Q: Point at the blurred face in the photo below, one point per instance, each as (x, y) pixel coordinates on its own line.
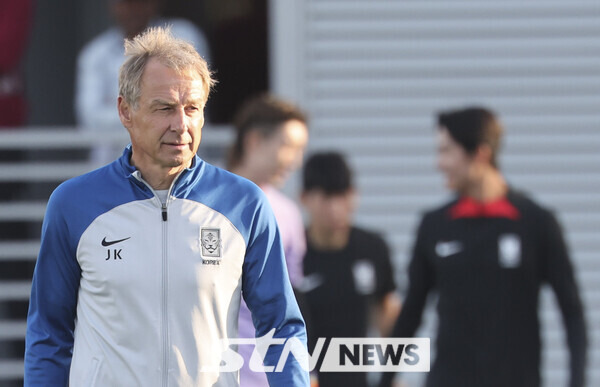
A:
(330, 213)
(166, 126)
(133, 16)
(453, 161)
(275, 157)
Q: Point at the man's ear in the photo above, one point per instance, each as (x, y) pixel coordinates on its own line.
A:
(483, 154)
(124, 112)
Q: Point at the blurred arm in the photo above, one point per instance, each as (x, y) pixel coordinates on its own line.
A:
(560, 276)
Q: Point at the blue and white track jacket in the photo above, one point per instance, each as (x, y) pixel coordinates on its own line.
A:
(130, 292)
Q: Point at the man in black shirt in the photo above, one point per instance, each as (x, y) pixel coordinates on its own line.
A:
(348, 275)
(486, 255)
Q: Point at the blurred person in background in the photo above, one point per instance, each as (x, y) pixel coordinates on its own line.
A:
(16, 18)
(348, 276)
(15, 25)
(142, 262)
(271, 135)
(99, 60)
(486, 255)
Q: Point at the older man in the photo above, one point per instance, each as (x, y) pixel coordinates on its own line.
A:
(143, 262)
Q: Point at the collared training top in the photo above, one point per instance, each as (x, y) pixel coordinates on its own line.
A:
(342, 288)
(487, 263)
(129, 291)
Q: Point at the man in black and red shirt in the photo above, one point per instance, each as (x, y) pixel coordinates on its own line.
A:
(486, 254)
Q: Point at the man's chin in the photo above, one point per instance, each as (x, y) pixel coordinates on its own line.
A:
(179, 161)
(450, 185)
(279, 179)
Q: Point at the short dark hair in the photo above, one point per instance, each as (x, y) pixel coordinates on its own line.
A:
(264, 113)
(472, 127)
(327, 171)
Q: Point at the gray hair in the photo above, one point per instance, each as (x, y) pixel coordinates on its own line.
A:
(159, 43)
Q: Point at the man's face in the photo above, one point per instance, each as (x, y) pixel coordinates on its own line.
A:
(278, 155)
(166, 126)
(330, 212)
(453, 161)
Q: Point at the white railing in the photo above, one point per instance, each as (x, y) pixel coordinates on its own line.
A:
(215, 140)
(66, 137)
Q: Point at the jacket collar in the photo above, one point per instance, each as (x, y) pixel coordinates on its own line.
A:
(467, 207)
(129, 169)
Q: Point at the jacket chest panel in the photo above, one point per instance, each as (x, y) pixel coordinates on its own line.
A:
(482, 252)
(131, 250)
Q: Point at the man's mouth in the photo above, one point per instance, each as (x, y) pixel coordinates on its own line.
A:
(176, 145)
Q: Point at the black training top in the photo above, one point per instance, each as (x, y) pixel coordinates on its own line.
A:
(486, 263)
(340, 288)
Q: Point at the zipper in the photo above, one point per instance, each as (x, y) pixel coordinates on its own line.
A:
(164, 301)
(163, 206)
(164, 210)
(165, 276)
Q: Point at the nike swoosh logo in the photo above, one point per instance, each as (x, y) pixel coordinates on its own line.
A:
(311, 282)
(446, 249)
(107, 243)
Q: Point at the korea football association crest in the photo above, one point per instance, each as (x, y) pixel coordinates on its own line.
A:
(509, 251)
(364, 276)
(210, 243)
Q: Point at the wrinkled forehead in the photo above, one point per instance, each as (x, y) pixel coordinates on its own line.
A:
(158, 73)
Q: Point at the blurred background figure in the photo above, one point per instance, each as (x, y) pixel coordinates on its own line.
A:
(271, 135)
(486, 254)
(348, 277)
(240, 53)
(15, 26)
(99, 61)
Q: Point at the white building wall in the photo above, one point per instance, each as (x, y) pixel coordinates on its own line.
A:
(372, 75)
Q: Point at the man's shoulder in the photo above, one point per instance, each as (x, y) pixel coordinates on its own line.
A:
(105, 182)
(524, 199)
(238, 199)
(86, 195)
(220, 178)
(78, 184)
(223, 190)
(529, 207)
(364, 233)
(367, 237)
(439, 211)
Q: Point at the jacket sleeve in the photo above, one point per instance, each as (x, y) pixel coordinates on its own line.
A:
(421, 280)
(268, 293)
(559, 274)
(52, 306)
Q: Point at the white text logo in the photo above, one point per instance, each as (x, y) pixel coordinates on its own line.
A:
(356, 354)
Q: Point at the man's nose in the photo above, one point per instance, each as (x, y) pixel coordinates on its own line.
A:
(179, 121)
